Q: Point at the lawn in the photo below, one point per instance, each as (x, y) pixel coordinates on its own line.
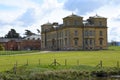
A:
(15, 52)
(89, 58)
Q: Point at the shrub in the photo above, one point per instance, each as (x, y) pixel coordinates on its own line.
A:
(1, 47)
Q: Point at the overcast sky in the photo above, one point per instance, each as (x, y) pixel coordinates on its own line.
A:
(30, 14)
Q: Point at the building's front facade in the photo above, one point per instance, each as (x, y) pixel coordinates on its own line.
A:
(75, 34)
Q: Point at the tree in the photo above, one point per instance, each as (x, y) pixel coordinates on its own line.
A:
(1, 47)
(12, 34)
(29, 33)
(38, 31)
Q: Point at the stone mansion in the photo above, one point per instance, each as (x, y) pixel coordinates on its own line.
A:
(75, 34)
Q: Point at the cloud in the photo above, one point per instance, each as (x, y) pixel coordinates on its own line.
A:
(27, 18)
(31, 14)
(83, 6)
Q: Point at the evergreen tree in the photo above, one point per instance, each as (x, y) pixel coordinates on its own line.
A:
(29, 33)
(12, 34)
(38, 31)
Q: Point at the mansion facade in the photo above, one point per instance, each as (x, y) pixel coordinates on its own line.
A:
(75, 34)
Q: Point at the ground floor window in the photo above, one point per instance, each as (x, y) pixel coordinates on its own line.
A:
(76, 42)
(101, 41)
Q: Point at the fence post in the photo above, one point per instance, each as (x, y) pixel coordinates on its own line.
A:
(55, 63)
(117, 64)
(65, 62)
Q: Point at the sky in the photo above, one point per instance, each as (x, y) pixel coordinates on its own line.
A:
(31, 14)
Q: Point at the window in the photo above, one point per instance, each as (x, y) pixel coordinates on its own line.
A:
(66, 41)
(62, 34)
(93, 33)
(76, 22)
(33, 38)
(67, 23)
(90, 33)
(91, 42)
(76, 33)
(86, 33)
(101, 33)
(86, 41)
(100, 23)
(66, 32)
(76, 42)
(101, 41)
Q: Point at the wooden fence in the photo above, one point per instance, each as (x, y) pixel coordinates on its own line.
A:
(54, 63)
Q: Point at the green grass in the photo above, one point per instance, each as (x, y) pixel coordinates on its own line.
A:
(89, 58)
(15, 52)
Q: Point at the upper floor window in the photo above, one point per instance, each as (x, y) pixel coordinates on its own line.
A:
(100, 23)
(76, 33)
(101, 33)
(86, 33)
(76, 22)
(67, 23)
(90, 33)
(66, 32)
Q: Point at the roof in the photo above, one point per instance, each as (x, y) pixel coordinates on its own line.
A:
(8, 39)
(48, 23)
(72, 16)
(97, 16)
(33, 37)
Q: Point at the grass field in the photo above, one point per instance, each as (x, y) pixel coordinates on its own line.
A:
(89, 58)
(15, 52)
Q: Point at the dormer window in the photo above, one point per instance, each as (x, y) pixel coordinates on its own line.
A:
(33, 38)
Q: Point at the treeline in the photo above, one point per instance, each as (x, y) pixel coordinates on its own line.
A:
(13, 34)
